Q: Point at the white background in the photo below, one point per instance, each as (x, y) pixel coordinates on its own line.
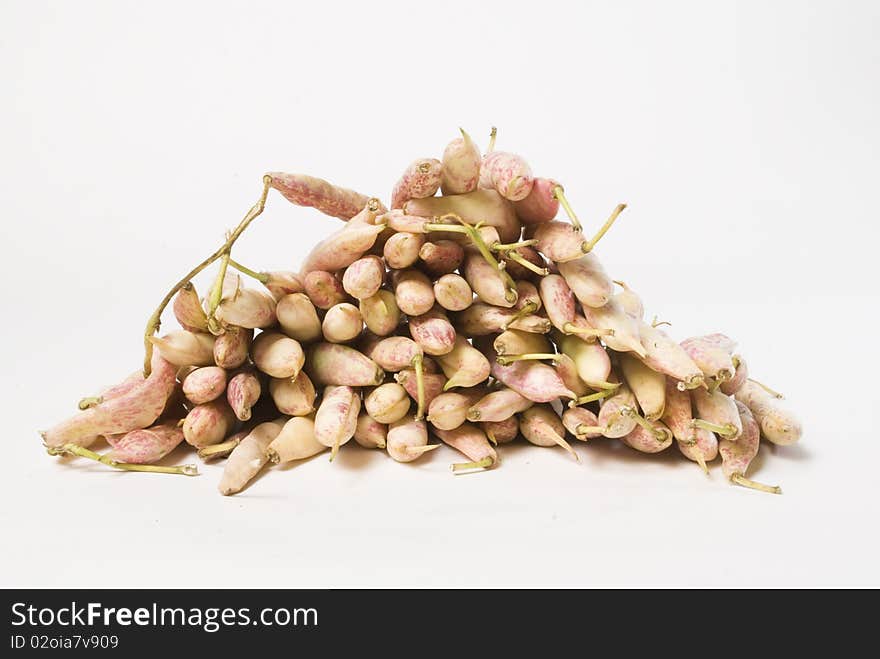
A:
(743, 136)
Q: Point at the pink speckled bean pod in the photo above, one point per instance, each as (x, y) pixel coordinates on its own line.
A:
(449, 410)
(183, 348)
(485, 280)
(421, 179)
(342, 248)
(740, 376)
(567, 371)
(380, 313)
(433, 332)
(369, 433)
(737, 456)
(613, 413)
(296, 441)
(718, 409)
(630, 301)
(387, 403)
(401, 250)
(298, 318)
(394, 353)
(588, 280)
(324, 289)
(342, 323)
(703, 448)
(507, 173)
(407, 439)
(434, 384)
(337, 364)
(646, 441)
(778, 425)
(138, 407)
(336, 417)
(719, 340)
(188, 309)
(231, 348)
(590, 359)
(464, 365)
(713, 361)
(558, 241)
(533, 380)
(626, 328)
(666, 356)
(453, 293)
(278, 355)
(461, 166)
(582, 423)
(242, 393)
(542, 427)
(364, 277)
(413, 292)
(498, 405)
(281, 282)
(208, 423)
(485, 206)
(249, 307)
(204, 384)
(471, 441)
(481, 319)
(678, 413)
(518, 342)
(558, 301)
(397, 220)
(501, 432)
(293, 396)
(317, 193)
(249, 457)
(540, 205)
(647, 385)
(148, 445)
(441, 257)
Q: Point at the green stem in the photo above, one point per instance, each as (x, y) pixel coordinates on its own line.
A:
(73, 449)
(770, 391)
(739, 479)
(510, 293)
(589, 398)
(528, 308)
(516, 257)
(89, 401)
(726, 431)
(492, 135)
(485, 463)
(506, 247)
(217, 294)
(559, 194)
(261, 277)
(590, 244)
(155, 319)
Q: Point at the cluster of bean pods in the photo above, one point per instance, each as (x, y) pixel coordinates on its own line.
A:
(471, 317)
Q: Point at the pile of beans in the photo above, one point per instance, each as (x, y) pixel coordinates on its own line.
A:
(472, 317)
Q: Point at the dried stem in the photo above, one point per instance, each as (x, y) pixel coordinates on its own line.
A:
(155, 319)
(485, 463)
(739, 479)
(74, 449)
